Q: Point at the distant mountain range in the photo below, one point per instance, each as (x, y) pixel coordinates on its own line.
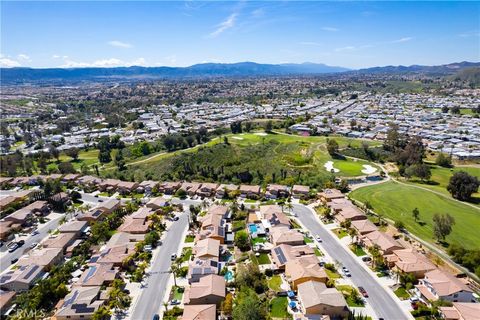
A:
(242, 69)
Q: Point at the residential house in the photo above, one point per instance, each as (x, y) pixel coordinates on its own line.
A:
(317, 299)
(76, 227)
(386, 244)
(126, 187)
(114, 254)
(438, 285)
(275, 191)
(250, 192)
(460, 311)
(299, 191)
(44, 257)
(224, 189)
(283, 253)
(169, 187)
(207, 189)
(81, 303)
(364, 226)
(409, 261)
(135, 225)
(147, 186)
(60, 241)
(157, 203)
(199, 312)
(190, 188)
(273, 216)
(207, 248)
(351, 213)
(109, 185)
(98, 275)
(284, 235)
(208, 290)
(330, 194)
(109, 206)
(304, 268)
(22, 278)
(199, 268)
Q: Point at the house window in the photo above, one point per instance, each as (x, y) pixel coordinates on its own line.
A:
(455, 295)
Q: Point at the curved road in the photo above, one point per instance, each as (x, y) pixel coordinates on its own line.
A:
(382, 302)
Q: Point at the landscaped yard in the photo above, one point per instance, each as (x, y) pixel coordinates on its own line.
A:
(340, 232)
(347, 291)
(189, 238)
(186, 254)
(239, 225)
(332, 275)
(396, 202)
(307, 239)
(263, 259)
(318, 253)
(177, 293)
(402, 293)
(278, 307)
(358, 250)
(274, 283)
(258, 240)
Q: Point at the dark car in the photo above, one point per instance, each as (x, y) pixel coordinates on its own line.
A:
(21, 243)
(13, 260)
(156, 317)
(363, 291)
(175, 218)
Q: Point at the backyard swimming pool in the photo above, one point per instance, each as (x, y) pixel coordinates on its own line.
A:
(229, 275)
(253, 228)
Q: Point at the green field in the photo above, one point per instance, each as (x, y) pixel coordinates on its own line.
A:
(256, 158)
(396, 202)
(441, 177)
(278, 307)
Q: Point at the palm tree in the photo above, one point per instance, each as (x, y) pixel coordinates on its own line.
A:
(353, 233)
(289, 206)
(175, 270)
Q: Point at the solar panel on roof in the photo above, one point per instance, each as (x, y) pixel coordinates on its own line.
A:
(82, 308)
(29, 273)
(97, 213)
(71, 299)
(280, 255)
(91, 272)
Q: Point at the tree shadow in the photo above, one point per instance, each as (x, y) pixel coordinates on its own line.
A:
(421, 223)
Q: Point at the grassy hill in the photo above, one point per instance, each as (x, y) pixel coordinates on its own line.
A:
(396, 202)
(253, 158)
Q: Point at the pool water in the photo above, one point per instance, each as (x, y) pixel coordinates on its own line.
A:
(253, 228)
(229, 275)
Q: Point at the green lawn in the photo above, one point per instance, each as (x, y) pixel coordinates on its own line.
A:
(275, 282)
(186, 254)
(278, 307)
(318, 253)
(189, 238)
(239, 225)
(307, 239)
(441, 177)
(177, 293)
(340, 232)
(258, 240)
(347, 290)
(358, 250)
(402, 293)
(263, 259)
(332, 275)
(396, 202)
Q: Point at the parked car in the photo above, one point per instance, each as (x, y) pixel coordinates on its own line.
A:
(156, 317)
(174, 302)
(175, 218)
(33, 245)
(366, 259)
(14, 260)
(13, 247)
(147, 248)
(319, 239)
(21, 243)
(173, 256)
(363, 292)
(34, 233)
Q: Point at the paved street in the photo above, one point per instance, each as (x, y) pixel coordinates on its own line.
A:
(150, 300)
(382, 302)
(7, 257)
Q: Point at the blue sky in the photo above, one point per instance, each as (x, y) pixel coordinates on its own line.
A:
(182, 33)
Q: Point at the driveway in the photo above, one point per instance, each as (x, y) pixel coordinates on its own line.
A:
(380, 299)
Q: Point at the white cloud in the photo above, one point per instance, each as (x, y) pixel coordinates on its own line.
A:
(103, 63)
(8, 63)
(23, 57)
(330, 29)
(404, 39)
(225, 25)
(119, 44)
(347, 48)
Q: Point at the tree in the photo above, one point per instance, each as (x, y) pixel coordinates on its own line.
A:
(54, 152)
(248, 306)
(332, 147)
(269, 126)
(66, 167)
(443, 160)
(104, 156)
(119, 161)
(462, 185)
(399, 225)
(241, 240)
(175, 269)
(416, 214)
(394, 139)
(101, 313)
(442, 226)
(455, 110)
(227, 304)
(421, 171)
(73, 153)
(352, 232)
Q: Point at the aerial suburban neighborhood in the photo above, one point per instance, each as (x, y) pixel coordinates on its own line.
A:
(240, 160)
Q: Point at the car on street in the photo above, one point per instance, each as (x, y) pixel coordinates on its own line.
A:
(174, 302)
(34, 233)
(319, 239)
(173, 256)
(175, 218)
(13, 247)
(366, 259)
(363, 292)
(13, 260)
(21, 243)
(156, 317)
(147, 248)
(33, 245)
